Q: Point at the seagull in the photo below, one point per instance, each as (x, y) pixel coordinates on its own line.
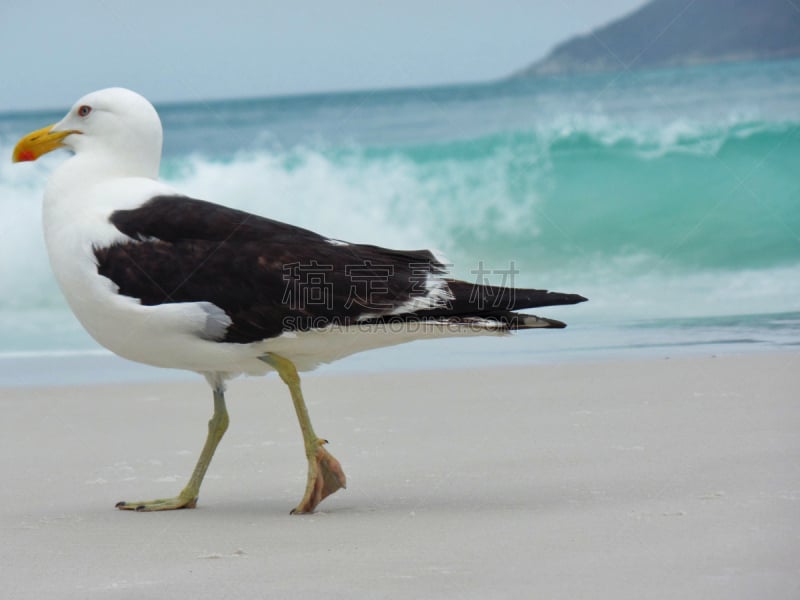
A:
(172, 281)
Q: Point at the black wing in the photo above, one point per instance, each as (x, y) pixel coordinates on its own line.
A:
(270, 277)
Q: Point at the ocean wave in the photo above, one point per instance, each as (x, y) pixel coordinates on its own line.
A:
(507, 197)
(681, 136)
(25, 277)
(584, 202)
(575, 134)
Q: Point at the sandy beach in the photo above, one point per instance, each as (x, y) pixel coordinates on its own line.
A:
(670, 478)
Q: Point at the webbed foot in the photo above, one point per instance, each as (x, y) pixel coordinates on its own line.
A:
(325, 476)
(160, 504)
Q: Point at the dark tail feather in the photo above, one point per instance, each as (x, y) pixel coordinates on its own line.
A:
(521, 321)
(469, 297)
(479, 303)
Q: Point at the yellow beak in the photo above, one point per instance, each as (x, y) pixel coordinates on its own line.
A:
(39, 142)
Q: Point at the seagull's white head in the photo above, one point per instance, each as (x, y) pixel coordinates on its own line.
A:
(114, 126)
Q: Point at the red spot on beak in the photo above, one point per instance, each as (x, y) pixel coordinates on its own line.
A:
(26, 155)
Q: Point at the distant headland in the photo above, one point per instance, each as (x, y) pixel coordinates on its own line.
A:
(672, 33)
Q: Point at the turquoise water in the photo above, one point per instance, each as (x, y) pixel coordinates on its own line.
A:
(670, 198)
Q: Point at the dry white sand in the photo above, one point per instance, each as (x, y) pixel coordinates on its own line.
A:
(673, 479)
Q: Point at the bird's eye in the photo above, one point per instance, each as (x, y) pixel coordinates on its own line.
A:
(84, 110)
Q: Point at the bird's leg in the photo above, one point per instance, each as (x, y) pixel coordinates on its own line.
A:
(188, 496)
(325, 474)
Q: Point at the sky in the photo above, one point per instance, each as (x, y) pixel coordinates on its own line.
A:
(55, 51)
